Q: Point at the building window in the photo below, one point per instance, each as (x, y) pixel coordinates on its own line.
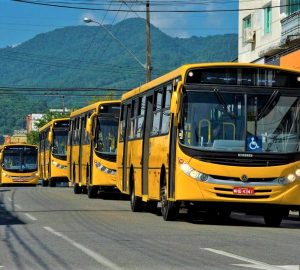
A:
(293, 6)
(267, 19)
(247, 22)
(247, 28)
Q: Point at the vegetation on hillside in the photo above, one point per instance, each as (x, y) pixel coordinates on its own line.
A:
(86, 56)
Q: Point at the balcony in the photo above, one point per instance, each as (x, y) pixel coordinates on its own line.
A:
(290, 29)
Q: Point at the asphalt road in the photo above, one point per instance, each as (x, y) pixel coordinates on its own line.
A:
(52, 228)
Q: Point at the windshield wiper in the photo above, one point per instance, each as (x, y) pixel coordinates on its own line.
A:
(223, 103)
(267, 105)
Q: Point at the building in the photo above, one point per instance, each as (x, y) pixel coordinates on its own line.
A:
(31, 120)
(19, 136)
(269, 32)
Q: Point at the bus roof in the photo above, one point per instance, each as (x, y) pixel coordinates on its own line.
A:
(51, 123)
(93, 106)
(181, 71)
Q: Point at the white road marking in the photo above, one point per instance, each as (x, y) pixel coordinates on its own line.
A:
(286, 267)
(253, 263)
(9, 199)
(30, 216)
(96, 256)
(18, 206)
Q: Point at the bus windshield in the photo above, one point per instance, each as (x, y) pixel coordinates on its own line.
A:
(20, 159)
(60, 140)
(239, 122)
(106, 137)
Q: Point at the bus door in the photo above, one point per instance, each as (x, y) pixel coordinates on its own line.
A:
(126, 114)
(146, 144)
(81, 142)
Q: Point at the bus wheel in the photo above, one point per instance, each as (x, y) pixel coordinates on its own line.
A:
(92, 191)
(169, 210)
(136, 203)
(77, 189)
(45, 183)
(273, 218)
(52, 182)
(84, 189)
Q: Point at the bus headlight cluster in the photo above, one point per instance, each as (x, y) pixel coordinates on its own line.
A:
(189, 171)
(58, 165)
(292, 177)
(104, 169)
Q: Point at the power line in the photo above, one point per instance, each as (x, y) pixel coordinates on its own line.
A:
(65, 5)
(63, 89)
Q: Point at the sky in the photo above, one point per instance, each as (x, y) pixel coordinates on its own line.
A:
(21, 21)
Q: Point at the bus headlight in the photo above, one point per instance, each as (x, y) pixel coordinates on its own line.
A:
(189, 171)
(297, 172)
(4, 174)
(291, 178)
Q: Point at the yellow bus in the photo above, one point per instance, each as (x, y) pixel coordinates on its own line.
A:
(215, 137)
(53, 152)
(92, 147)
(19, 165)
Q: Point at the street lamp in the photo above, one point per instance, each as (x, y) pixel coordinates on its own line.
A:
(88, 20)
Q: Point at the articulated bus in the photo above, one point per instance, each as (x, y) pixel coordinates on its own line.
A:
(92, 148)
(19, 165)
(53, 152)
(215, 138)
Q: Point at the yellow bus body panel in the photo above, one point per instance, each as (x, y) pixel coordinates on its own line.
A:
(31, 178)
(104, 172)
(189, 189)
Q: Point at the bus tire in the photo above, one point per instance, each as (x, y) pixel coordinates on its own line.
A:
(52, 182)
(136, 203)
(45, 183)
(84, 189)
(273, 218)
(92, 191)
(77, 189)
(169, 210)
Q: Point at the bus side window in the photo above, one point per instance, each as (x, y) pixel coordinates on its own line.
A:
(166, 109)
(122, 123)
(141, 117)
(157, 105)
(46, 140)
(132, 119)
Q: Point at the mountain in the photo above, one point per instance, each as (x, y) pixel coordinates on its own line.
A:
(87, 56)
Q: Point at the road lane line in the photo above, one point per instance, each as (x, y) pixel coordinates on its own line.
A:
(96, 256)
(30, 216)
(18, 206)
(9, 199)
(257, 264)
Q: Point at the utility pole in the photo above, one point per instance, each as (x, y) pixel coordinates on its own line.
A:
(148, 45)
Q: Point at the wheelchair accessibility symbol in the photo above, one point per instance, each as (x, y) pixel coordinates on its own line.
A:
(254, 143)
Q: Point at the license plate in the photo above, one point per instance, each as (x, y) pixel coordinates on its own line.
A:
(243, 191)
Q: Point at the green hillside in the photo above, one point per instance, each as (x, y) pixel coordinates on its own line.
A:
(86, 56)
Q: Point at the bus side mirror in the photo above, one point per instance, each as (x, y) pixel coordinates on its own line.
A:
(175, 102)
(50, 137)
(89, 125)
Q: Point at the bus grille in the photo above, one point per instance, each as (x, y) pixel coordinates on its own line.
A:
(237, 196)
(226, 178)
(253, 197)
